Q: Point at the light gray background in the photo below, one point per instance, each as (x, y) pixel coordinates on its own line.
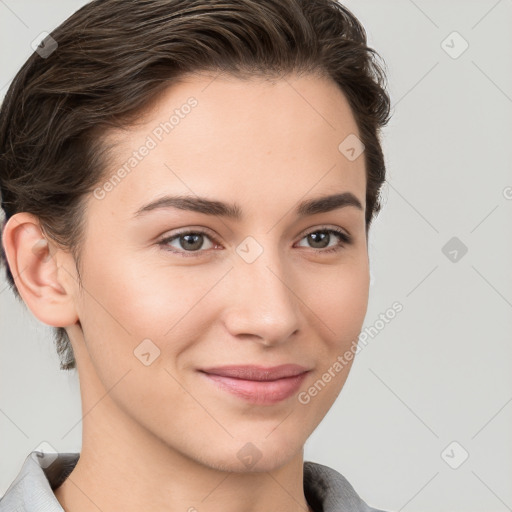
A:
(440, 370)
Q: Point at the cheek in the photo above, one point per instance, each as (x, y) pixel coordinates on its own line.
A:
(339, 311)
(129, 301)
(341, 302)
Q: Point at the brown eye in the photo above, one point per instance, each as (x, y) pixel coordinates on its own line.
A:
(321, 238)
(187, 242)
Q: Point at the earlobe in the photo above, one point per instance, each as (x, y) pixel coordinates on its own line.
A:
(36, 271)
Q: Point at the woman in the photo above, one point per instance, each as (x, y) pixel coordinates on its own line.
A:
(188, 188)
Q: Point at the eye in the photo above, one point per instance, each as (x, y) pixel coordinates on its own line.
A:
(323, 236)
(189, 242)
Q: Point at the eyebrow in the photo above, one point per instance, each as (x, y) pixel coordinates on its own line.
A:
(234, 211)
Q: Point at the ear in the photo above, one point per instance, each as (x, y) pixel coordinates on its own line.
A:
(45, 277)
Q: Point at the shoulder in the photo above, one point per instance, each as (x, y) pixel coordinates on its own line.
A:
(32, 489)
(328, 490)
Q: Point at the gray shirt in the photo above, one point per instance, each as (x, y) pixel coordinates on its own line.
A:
(325, 489)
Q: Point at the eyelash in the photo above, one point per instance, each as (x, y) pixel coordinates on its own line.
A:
(342, 237)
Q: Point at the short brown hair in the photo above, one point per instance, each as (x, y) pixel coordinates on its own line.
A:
(113, 59)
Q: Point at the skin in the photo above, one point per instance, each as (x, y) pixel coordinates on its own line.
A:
(160, 437)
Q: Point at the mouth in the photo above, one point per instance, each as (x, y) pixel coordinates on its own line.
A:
(257, 384)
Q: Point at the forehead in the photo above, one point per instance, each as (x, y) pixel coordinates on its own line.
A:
(217, 136)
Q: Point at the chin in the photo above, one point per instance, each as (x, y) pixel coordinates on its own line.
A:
(241, 455)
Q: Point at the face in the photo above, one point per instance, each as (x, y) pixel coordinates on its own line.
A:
(175, 291)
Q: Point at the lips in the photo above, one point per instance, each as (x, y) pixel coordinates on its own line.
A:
(257, 373)
(258, 384)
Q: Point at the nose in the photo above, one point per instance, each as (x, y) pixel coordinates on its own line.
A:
(262, 303)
